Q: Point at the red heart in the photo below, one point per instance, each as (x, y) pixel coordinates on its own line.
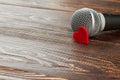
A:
(81, 36)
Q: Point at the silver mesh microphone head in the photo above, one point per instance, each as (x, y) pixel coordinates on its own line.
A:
(93, 21)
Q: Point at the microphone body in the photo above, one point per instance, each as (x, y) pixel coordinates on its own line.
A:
(112, 22)
(94, 22)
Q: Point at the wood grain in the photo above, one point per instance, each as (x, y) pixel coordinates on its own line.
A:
(112, 6)
(36, 43)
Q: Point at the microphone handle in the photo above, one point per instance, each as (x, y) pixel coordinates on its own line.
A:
(112, 22)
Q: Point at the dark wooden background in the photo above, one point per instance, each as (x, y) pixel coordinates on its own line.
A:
(36, 42)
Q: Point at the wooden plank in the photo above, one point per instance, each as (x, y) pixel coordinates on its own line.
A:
(68, 5)
(15, 74)
(37, 42)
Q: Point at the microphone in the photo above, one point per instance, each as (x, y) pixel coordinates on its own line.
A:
(94, 22)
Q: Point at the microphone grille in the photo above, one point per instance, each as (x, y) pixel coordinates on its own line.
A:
(88, 18)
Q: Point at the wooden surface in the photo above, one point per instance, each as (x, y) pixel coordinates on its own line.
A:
(36, 42)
